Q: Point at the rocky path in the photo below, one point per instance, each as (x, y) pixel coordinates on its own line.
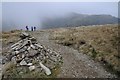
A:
(75, 64)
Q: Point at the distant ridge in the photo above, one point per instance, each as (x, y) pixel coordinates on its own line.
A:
(75, 19)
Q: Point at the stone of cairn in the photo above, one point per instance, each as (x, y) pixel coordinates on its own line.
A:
(27, 52)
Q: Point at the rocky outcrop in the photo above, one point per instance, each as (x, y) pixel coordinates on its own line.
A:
(27, 52)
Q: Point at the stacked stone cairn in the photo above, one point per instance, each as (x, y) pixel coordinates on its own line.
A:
(27, 52)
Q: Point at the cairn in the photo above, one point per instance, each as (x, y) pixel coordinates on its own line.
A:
(27, 52)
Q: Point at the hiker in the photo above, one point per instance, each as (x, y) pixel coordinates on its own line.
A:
(27, 28)
(34, 28)
(31, 28)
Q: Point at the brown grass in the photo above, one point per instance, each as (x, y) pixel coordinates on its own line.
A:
(9, 37)
(99, 42)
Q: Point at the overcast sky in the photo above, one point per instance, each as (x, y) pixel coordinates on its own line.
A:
(19, 14)
(59, 0)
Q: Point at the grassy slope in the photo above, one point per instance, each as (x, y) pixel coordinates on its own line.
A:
(99, 42)
(10, 37)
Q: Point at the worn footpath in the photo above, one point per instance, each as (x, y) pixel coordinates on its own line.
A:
(75, 64)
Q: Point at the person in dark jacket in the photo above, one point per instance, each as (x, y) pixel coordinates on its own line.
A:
(27, 28)
(34, 28)
(31, 28)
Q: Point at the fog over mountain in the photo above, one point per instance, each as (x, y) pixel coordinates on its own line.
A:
(16, 15)
(75, 19)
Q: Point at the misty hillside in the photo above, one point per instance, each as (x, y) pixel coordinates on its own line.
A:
(75, 19)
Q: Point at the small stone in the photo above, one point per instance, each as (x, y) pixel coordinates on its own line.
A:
(32, 46)
(23, 63)
(33, 40)
(21, 73)
(16, 52)
(32, 53)
(28, 60)
(46, 69)
(14, 60)
(28, 48)
(24, 35)
(39, 46)
(29, 64)
(47, 57)
(31, 68)
(23, 55)
(18, 58)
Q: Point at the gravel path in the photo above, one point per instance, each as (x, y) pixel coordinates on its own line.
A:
(75, 64)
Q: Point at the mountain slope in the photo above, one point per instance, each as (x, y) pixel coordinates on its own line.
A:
(75, 19)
